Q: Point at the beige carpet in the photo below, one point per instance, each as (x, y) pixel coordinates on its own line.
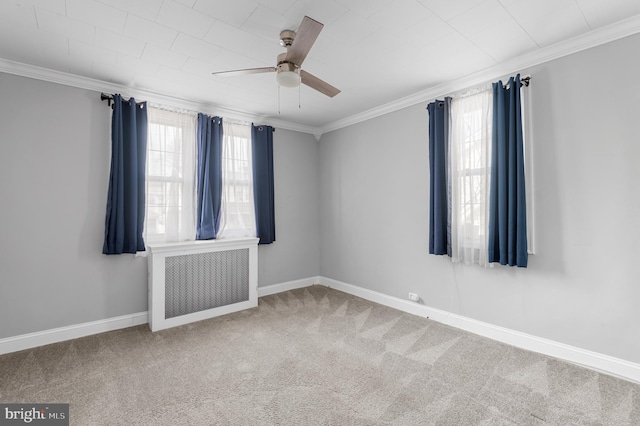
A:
(313, 356)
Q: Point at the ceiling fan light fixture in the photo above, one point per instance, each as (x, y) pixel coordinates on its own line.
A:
(288, 75)
(288, 79)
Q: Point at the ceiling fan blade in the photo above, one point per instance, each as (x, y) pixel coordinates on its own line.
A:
(320, 85)
(305, 37)
(244, 72)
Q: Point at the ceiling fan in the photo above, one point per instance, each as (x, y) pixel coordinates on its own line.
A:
(289, 73)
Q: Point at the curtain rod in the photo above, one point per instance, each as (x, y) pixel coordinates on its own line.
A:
(105, 97)
(109, 99)
(525, 81)
(262, 126)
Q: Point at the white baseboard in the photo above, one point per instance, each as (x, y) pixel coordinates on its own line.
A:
(286, 286)
(55, 335)
(593, 360)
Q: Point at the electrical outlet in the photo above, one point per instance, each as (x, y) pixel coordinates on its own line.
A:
(414, 297)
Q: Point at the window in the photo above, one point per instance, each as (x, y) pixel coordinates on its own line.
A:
(238, 212)
(484, 220)
(170, 181)
(170, 177)
(470, 175)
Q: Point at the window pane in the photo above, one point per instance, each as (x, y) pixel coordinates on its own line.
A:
(155, 220)
(155, 193)
(173, 194)
(155, 159)
(172, 138)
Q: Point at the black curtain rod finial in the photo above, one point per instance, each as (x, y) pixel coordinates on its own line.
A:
(105, 97)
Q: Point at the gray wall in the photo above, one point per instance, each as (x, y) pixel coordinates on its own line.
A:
(296, 252)
(54, 170)
(583, 285)
(366, 188)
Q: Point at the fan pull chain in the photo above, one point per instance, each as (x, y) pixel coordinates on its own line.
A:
(299, 107)
(278, 99)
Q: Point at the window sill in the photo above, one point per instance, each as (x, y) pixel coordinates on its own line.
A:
(200, 244)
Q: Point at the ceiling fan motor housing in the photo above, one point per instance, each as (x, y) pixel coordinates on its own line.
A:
(282, 60)
(288, 67)
(286, 38)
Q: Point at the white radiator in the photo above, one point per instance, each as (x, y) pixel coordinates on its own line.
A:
(196, 280)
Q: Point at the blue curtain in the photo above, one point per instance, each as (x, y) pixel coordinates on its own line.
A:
(209, 179)
(507, 208)
(263, 188)
(125, 201)
(439, 198)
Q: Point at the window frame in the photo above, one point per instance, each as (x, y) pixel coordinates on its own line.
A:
(185, 179)
(234, 133)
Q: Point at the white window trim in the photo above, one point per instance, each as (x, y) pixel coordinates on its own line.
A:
(529, 180)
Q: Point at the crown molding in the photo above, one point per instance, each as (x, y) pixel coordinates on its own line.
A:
(59, 77)
(576, 44)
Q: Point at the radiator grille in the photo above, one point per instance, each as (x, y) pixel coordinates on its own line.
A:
(197, 282)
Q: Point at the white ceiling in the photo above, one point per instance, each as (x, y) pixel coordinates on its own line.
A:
(375, 51)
